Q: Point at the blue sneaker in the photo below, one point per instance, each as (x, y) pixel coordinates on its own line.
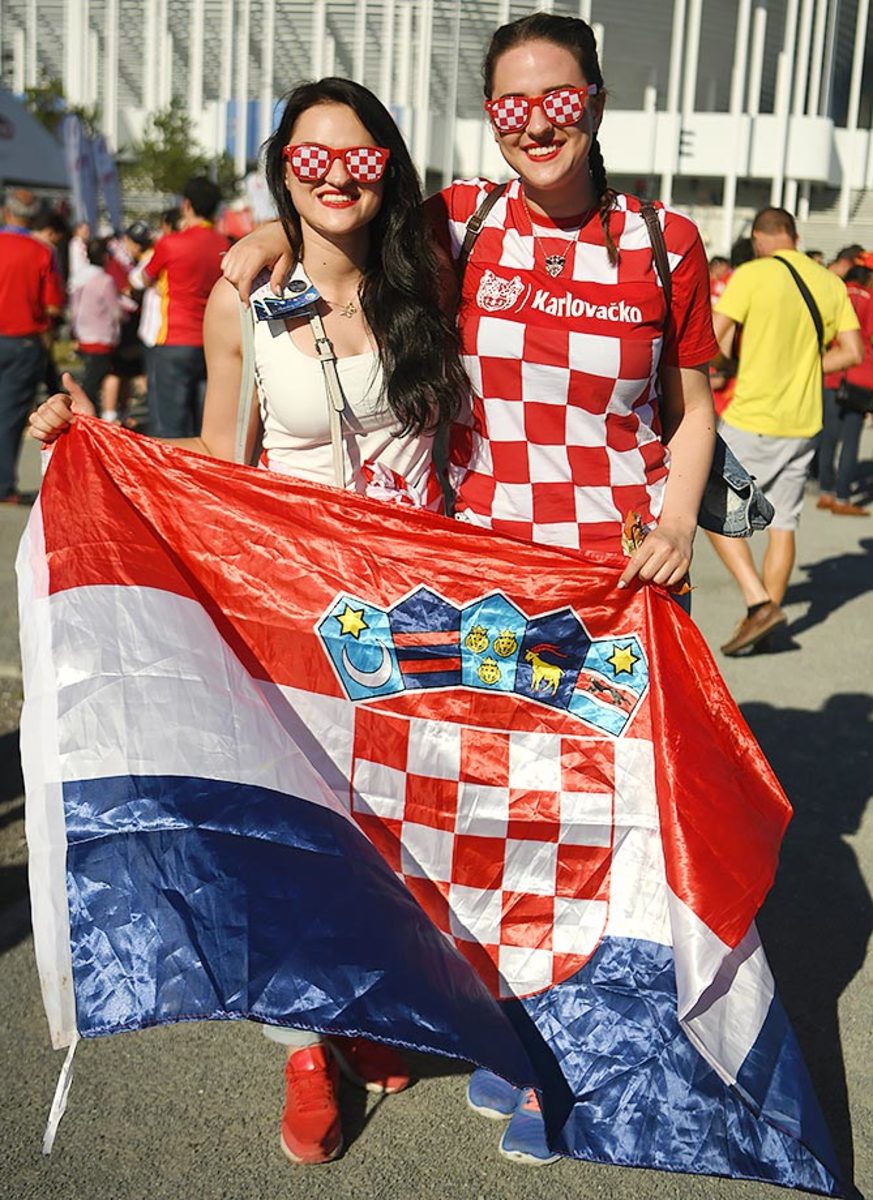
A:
(491, 1096)
(524, 1139)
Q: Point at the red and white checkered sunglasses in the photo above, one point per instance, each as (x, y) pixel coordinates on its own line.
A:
(311, 161)
(564, 106)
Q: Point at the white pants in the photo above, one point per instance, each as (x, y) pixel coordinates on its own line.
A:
(296, 1038)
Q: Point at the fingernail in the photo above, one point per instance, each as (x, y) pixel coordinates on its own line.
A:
(622, 584)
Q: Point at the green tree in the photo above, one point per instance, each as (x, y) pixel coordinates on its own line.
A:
(49, 105)
(168, 154)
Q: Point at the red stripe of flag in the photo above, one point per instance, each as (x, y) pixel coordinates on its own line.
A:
(421, 666)
(436, 637)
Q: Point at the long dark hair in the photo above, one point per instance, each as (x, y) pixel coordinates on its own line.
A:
(576, 36)
(424, 380)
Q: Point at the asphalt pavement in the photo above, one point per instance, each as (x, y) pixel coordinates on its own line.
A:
(191, 1112)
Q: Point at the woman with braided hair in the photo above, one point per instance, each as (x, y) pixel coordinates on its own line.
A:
(564, 327)
(580, 375)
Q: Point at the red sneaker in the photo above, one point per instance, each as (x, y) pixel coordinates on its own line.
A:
(311, 1131)
(371, 1065)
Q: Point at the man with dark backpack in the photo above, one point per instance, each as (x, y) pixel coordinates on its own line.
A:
(790, 309)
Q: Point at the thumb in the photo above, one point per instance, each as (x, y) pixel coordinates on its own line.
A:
(280, 273)
(79, 398)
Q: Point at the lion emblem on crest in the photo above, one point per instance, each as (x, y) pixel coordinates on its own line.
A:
(496, 294)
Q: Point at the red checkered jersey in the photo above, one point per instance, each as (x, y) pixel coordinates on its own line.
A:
(29, 284)
(186, 266)
(564, 439)
(862, 375)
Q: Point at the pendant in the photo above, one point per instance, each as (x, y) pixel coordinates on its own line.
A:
(349, 309)
(555, 264)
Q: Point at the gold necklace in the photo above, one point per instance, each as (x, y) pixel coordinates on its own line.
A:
(349, 309)
(555, 263)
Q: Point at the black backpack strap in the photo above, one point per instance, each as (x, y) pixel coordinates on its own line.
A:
(659, 251)
(475, 225)
(808, 300)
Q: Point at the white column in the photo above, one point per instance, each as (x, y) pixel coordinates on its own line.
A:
(801, 81)
(829, 57)
(110, 73)
(196, 34)
(404, 71)
(225, 74)
(319, 35)
(243, 33)
(359, 58)
(19, 52)
(75, 43)
(32, 30)
(756, 68)
(784, 74)
(452, 99)
(503, 12)
(93, 64)
(692, 58)
(816, 65)
(585, 10)
(330, 55)
(600, 38)
(268, 37)
(165, 55)
(677, 42)
(854, 103)
(386, 66)
(421, 135)
(738, 79)
(150, 57)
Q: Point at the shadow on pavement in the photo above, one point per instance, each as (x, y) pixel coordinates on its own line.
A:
(817, 920)
(11, 781)
(14, 903)
(831, 583)
(14, 906)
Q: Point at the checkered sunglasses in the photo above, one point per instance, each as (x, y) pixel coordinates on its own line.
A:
(311, 161)
(565, 106)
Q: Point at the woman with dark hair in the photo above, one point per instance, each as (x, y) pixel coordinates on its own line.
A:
(350, 206)
(582, 375)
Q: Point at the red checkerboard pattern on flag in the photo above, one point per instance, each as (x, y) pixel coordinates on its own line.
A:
(505, 839)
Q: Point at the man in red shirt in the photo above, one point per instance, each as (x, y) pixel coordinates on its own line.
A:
(184, 268)
(31, 295)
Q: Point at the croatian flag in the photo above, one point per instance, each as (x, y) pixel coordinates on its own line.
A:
(309, 759)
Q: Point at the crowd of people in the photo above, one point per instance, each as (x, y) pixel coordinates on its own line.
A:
(132, 303)
(578, 430)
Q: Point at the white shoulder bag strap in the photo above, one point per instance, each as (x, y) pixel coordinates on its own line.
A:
(246, 384)
(336, 401)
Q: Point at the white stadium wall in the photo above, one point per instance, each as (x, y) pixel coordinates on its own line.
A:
(715, 105)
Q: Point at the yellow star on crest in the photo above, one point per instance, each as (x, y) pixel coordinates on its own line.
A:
(351, 621)
(623, 659)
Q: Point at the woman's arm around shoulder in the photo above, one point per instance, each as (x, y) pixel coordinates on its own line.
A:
(267, 247)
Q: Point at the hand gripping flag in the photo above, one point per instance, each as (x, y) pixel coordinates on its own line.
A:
(304, 758)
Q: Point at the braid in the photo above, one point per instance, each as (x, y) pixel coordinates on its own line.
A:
(605, 196)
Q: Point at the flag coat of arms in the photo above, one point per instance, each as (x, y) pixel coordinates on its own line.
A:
(315, 760)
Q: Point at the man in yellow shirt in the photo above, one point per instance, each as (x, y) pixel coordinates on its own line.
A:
(775, 417)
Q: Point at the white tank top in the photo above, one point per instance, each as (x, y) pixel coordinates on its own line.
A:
(293, 400)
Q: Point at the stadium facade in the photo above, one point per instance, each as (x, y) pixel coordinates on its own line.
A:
(719, 106)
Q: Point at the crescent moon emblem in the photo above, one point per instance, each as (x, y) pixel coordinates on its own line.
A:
(370, 679)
